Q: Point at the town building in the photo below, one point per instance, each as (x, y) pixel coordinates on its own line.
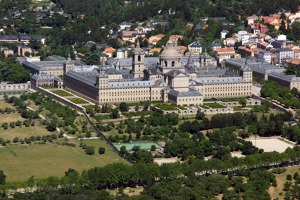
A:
(6, 51)
(195, 47)
(25, 39)
(283, 54)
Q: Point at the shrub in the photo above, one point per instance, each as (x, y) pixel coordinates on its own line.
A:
(153, 148)
(5, 125)
(18, 123)
(15, 140)
(288, 177)
(101, 150)
(278, 170)
(296, 175)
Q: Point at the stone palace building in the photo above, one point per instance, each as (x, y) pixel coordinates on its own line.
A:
(169, 80)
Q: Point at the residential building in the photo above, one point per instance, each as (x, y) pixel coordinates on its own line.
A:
(155, 38)
(223, 34)
(6, 51)
(125, 26)
(225, 53)
(25, 39)
(23, 50)
(283, 54)
(109, 51)
(195, 47)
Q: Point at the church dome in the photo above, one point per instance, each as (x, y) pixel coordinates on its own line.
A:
(169, 52)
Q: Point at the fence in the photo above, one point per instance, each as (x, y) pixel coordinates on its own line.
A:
(107, 140)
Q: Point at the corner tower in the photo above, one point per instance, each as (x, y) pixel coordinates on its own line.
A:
(246, 72)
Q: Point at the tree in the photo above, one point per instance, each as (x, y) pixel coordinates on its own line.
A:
(144, 156)
(2, 178)
(90, 150)
(115, 113)
(123, 150)
(101, 150)
(243, 102)
(124, 107)
(51, 126)
(200, 115)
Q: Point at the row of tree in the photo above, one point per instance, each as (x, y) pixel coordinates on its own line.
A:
(193, 179)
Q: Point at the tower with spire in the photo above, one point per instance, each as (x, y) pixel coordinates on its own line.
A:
(69, 65)
(138, 65)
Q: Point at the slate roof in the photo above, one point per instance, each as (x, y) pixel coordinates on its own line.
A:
(190, 93)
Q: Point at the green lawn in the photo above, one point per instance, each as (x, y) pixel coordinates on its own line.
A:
(23, 161)
(232, 99)
(214, 105)
(166, 107)
(24, 132)
(48, 87)
(61, 93)
(239, 108)
(78, 101)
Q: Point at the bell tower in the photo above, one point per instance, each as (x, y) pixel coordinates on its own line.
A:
(69, 65)
(138, 58)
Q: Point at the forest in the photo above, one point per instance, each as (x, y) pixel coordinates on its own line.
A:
(11, 71)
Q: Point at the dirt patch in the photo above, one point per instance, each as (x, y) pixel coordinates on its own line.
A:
(160, 161)
(133, 191)
(270, 144)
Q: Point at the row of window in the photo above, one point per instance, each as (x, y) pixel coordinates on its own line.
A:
(190, 99)
(228, 94)
(129, 99)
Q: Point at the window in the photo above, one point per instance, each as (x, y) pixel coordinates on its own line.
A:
(139, 58)
(173, 63)
(166, 64)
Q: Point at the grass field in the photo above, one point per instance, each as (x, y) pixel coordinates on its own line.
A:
(21, 162)
(24, 132)
(12, 117)
(214, 105)
(61, 93)
(166, 107)
(3, 105)
(77, 100)
(48, 87)
(281, 178)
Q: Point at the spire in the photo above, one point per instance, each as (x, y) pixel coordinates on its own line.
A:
(200, 60)
(189, 62)
(138, 46)
(69, 58)
(205, 60)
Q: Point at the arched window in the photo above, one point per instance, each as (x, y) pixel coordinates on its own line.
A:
(139, 58)
(166, 63)
(173, 63)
